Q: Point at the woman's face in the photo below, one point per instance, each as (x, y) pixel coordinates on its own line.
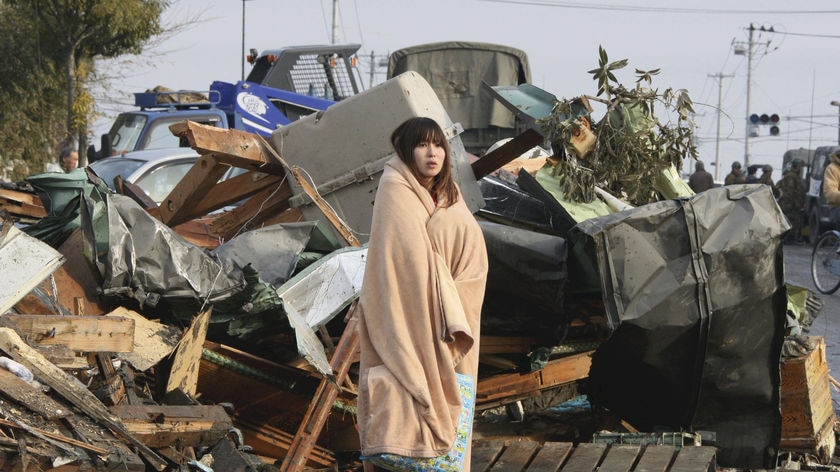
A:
(428, 157)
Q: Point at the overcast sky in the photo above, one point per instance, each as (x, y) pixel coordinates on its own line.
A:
(795, 72)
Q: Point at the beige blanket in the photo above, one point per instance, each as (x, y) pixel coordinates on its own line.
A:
(419, 318)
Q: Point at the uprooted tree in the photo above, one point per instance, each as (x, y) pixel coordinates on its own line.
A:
(626, 151)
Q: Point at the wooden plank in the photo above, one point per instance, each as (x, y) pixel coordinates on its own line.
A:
(695, 459)
(585, 457)
(507, 344)
(184, 373)
(185, 425)
(550, 457)
(485, 453)
(79, 333)
(230, 146)
(77, 277)
(620, 458)
(506, 153)
(656, 458)
(18, 391)
(556, 372)
(516, 456)
(152, 341)
(274, 442)
(178, 206)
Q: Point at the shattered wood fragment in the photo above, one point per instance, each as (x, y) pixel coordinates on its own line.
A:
(184, 373)
(79, 333)
(505, 153)
(68, 387)
(152, 341)
(230, 146)
(77, 277)
(178, 206)
(111, 391)
(19, 391)
(22, 204)
(273, 442)
(183, 425)
(56, 437)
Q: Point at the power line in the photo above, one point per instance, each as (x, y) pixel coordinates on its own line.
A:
(605, 6)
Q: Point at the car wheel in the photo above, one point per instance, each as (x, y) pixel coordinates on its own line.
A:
(814, 229)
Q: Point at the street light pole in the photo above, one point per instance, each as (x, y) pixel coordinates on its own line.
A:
(243, 41)
(749, 96)
(836, 103)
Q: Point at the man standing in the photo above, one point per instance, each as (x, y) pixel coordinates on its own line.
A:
(751, 177)
(767, 179)
(68, 159)
(700, 180)
(792, 200)
(734, 176)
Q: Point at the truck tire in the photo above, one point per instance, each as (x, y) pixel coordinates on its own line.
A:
(814, 227)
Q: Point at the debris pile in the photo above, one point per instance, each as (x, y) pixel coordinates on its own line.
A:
(217, 329)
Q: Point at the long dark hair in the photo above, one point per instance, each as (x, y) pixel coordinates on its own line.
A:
(414, 132)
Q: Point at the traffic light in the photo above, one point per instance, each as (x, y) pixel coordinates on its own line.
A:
(765, 119)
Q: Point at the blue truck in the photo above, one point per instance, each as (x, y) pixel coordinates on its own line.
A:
(283, 85)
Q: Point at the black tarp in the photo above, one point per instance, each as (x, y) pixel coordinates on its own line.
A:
(694, 291)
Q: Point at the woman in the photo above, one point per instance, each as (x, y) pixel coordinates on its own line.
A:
(419, 308)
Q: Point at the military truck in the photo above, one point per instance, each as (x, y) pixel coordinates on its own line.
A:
(816, 209)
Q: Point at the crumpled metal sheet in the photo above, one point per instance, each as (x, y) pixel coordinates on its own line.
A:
(315, 295)
(695, 294)
(273, 251)
(148, 257)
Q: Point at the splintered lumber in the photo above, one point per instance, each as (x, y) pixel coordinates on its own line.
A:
(79, 333)
(184, 373)
(230, 191)
(184, 425)
(71, 390)
(510, 387)
(177, 207)
(229, 146)
(505, 153)
(17, 390)
(22, 204)
(152, 341)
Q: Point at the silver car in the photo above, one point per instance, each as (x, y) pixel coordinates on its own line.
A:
(156, 171)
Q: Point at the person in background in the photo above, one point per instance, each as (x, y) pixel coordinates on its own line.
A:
(767, 179)
(700, 180)
(831, 185)
(751, 177)
(419, 311)
(735, 176)
(792, 200)
(68, 159)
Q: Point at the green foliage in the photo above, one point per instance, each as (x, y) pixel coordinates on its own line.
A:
(50, 53)
(632, 146)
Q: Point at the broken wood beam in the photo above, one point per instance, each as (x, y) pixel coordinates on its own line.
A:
(230, 146)
(178, 206)
(185, 425)
(79, 333)
(507, 152)
(230, 191)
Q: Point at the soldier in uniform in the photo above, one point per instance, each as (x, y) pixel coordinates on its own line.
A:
(767, 179)
(735, 176)
(792, 200)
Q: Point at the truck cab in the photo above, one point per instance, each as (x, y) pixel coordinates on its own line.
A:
(819, 215)
(148, 126)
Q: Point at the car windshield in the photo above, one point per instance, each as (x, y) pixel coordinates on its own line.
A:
(125, 132)
(107, 169)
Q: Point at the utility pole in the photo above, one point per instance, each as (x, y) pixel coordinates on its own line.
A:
(720, 77)
(335, 26)
(749, 96)
(836, 103)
